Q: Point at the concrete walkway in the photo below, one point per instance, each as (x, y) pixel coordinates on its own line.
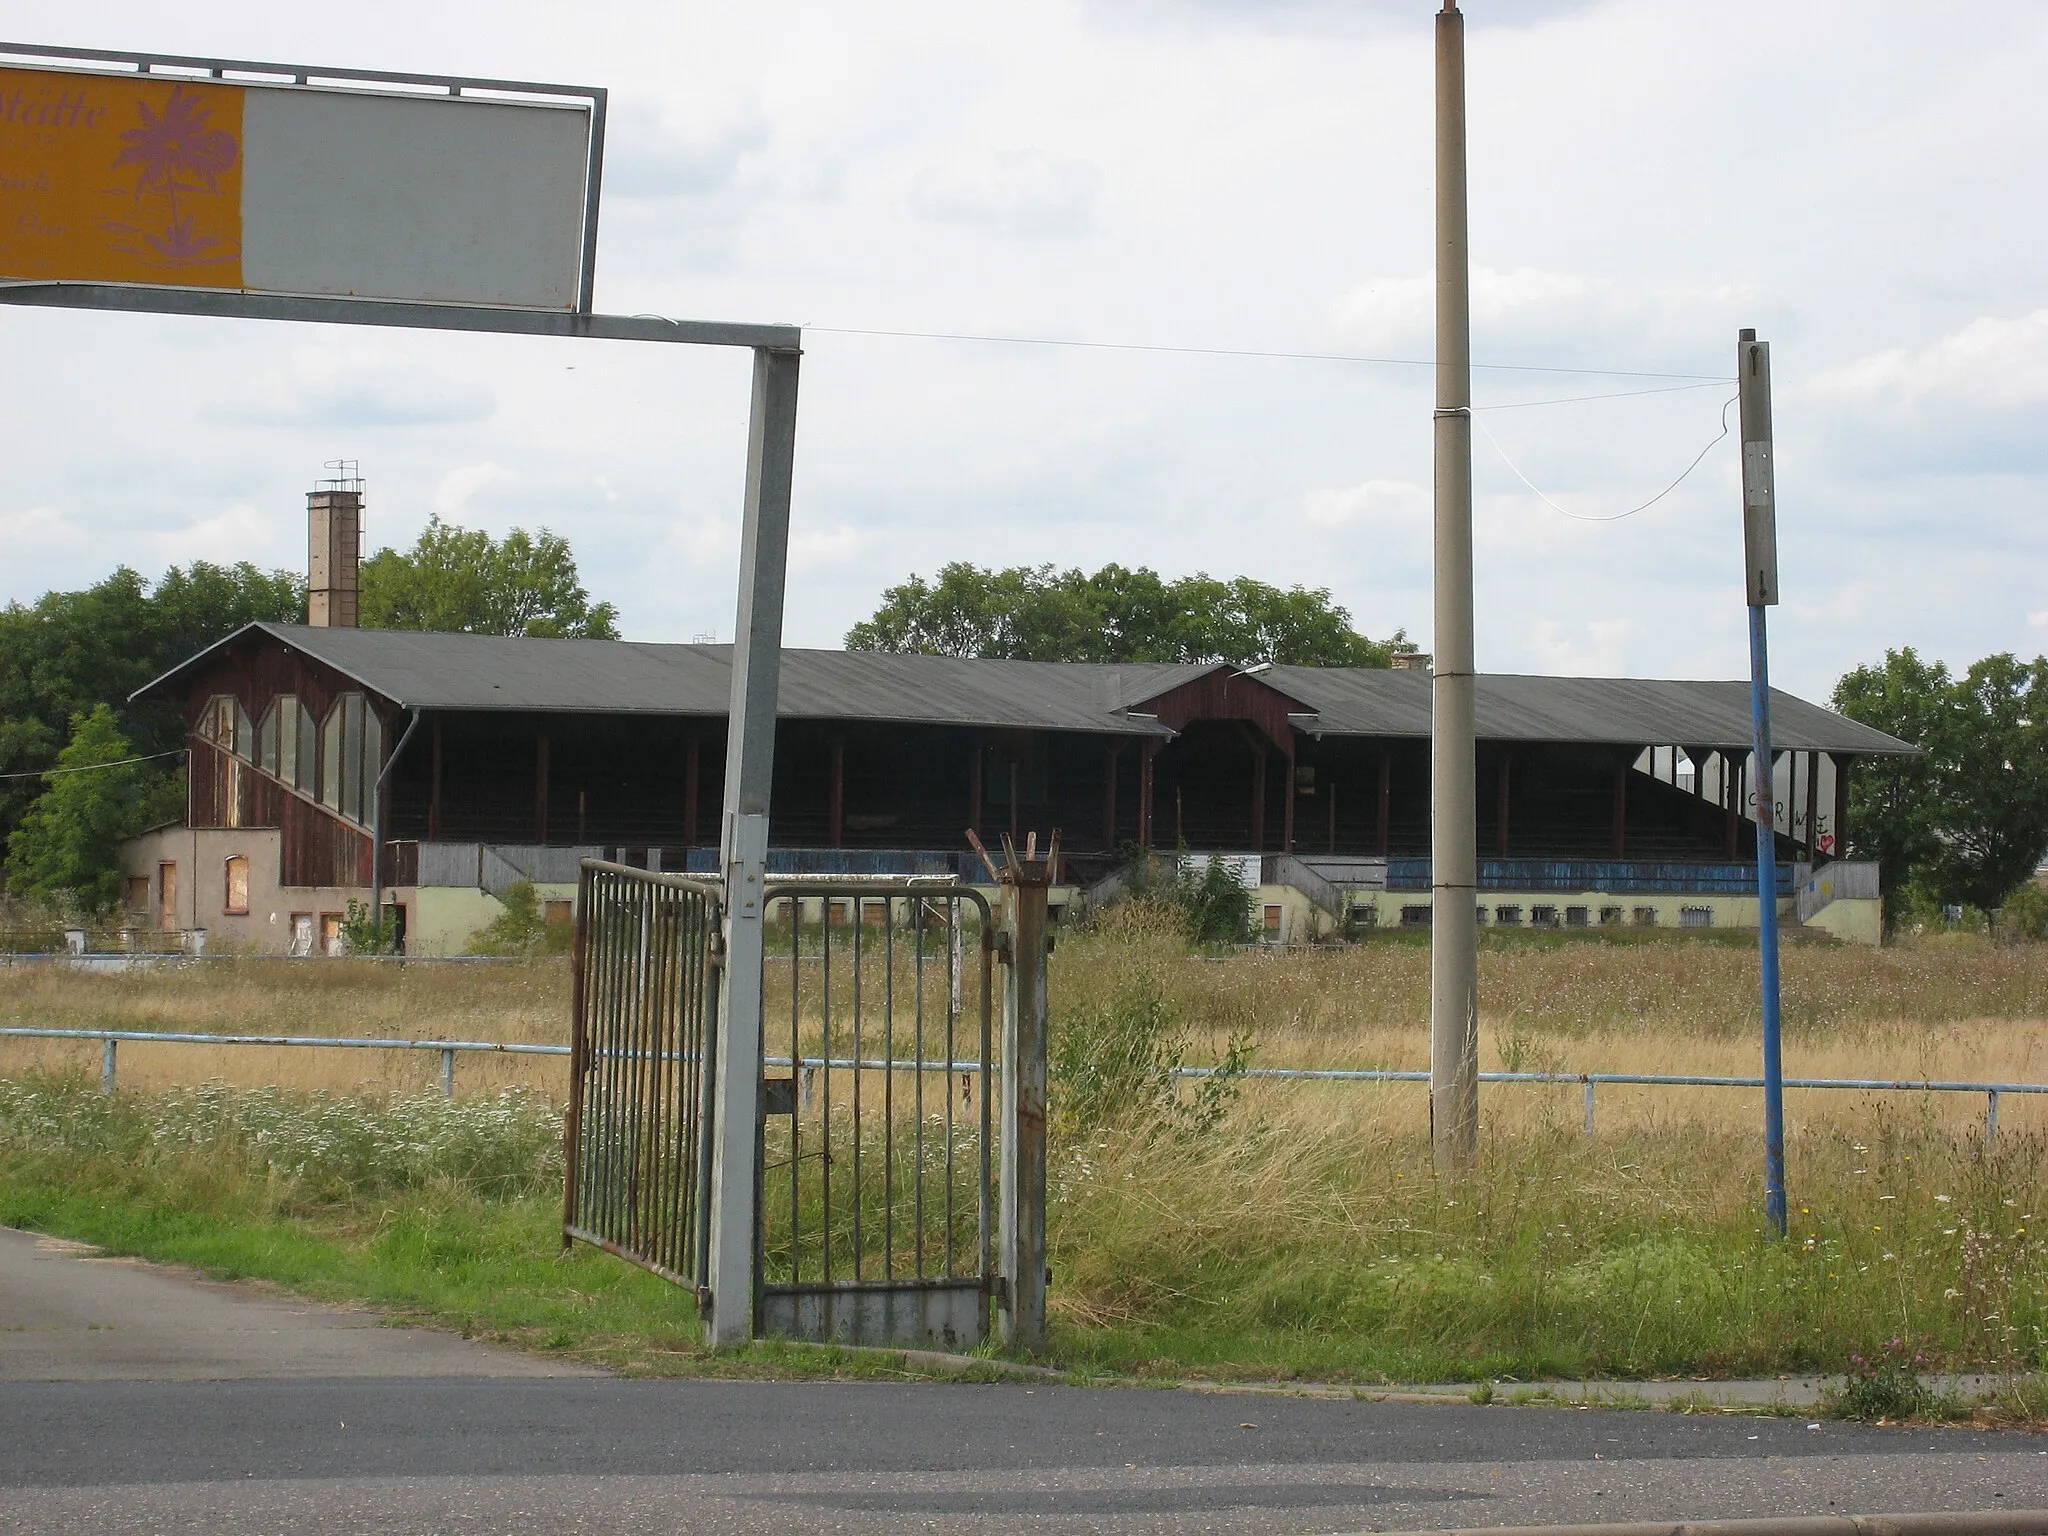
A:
(68, 1313)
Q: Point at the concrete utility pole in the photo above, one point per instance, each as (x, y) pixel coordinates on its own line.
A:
(1760, 578)
(1454, 852)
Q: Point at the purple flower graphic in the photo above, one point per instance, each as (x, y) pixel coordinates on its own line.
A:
(178, 145)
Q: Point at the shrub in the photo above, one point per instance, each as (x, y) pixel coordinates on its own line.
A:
(1117, 1065)
(2025, 914)
(521, 929)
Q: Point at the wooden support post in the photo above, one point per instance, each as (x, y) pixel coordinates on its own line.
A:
(434, 789)
(1111, 757)
(1618, 840)
(540, 790)
(1841, 828)
(1287, 815)
(1385, 826)
(1500, 808)
(1258, 800)
(692, 783)
(1813, 808)
(1731, 798)
(835, 807)
(974, 755)
(1146, 754)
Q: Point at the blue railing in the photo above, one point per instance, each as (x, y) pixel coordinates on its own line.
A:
(1619, 876)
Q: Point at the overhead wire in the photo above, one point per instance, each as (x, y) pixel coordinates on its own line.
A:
(122, 762)
(1307, 357)
(1613, 517)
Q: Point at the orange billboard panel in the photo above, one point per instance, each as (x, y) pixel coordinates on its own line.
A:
(114, 179)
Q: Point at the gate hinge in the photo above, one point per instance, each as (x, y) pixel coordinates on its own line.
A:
(1004, 950)
(715, 950)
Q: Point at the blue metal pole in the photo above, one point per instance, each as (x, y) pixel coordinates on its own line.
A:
(1767, 922)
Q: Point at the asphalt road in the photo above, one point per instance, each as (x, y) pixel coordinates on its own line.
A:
(405, 1443)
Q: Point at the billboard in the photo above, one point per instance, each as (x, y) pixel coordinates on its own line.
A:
(297, 189)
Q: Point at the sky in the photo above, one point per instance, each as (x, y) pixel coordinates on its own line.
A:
(1860, 182)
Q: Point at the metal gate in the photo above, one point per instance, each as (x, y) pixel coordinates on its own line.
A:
(876, 1216)
(644, 1011)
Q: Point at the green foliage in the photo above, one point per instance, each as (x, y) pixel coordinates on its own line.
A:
(2025, 915)
(1218, 906)
(1968, 818)
(1115, 1065)
(522, 929)
(71, 651)
(363, 934)
(1038, 613)
(313, 1149)
(1884, 1386)
(66, 847)
(1210, 907)
(462, 579)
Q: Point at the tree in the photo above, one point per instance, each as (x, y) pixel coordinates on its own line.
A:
(1040, 613)
(72, 651)
(462, 579)
(66, 848)
(1968, 818)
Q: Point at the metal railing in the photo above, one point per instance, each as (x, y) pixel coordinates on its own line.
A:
(876, 1214)
(643, 1046)
(1591, 1082)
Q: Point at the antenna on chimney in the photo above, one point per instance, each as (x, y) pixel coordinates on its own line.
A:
(334, 546)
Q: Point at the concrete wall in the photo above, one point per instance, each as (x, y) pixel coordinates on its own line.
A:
(444, 919)
(201, 857)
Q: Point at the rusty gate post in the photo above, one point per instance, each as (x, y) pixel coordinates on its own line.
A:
(1026, 939)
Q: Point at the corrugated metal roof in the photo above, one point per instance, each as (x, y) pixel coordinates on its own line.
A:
(420, 670)
(1626, 711)
(424, 670)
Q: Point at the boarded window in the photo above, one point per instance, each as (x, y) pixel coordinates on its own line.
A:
(136, 897)
(1578, 917)
(1276, 922)
(225, 721)
(331, 941)
(236, 899)
(556, 912)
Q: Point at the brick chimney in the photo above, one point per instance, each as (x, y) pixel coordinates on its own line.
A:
(334, 539)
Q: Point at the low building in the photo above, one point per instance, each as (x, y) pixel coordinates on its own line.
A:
(485, 761)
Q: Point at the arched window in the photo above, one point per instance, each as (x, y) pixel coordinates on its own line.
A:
(226, 722)
(235, 899)
(351, 752)
(287, 743)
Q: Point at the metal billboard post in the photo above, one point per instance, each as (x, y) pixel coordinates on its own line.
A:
(733, 1268)
(266, 261)
(1760, 580)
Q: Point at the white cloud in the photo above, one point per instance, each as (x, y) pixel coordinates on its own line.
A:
(459, 487)
(2038, 619)
(238, 533)
(1017, 193)
(1591, 648)
(1394, 507)
(2000, 363)
(353, 386)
